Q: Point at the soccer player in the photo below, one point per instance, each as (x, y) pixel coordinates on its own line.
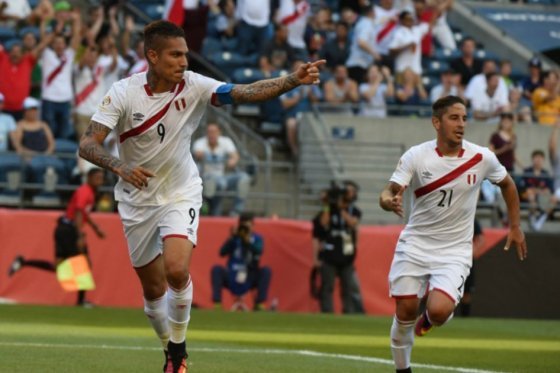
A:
(434, 251)
(159, 190)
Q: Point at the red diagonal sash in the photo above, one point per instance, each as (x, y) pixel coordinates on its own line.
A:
(153, 120)
(389, 26)
(56, 71)
(88, 89)
(448, 177)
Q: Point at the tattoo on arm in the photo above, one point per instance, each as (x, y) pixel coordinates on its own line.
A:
(264, 89)
(91, 147)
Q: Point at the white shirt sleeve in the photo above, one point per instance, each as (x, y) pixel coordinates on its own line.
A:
(112, 107)
(495, 172)
(422, 29)
(405, 169)
(398, 39)
(200, 145)
(206, 86)
(228, 145)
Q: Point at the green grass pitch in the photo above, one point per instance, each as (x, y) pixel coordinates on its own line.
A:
(62, 339)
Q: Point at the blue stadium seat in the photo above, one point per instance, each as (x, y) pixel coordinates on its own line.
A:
(30, 29)
(435, 67)
(229, 61)
(443, 54)
(247, 75)
(211, 46)
(69, 149)
(6, 33)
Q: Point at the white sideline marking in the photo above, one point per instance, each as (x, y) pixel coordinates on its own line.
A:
(250, 351)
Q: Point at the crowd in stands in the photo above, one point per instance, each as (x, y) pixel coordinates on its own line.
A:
(384, 57)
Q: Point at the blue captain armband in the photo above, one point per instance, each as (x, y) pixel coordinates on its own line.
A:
(224, 94)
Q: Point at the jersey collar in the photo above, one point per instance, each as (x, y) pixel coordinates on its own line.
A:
(459, 155)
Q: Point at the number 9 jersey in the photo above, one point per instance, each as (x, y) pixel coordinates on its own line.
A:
(154, 131)
(445, 193)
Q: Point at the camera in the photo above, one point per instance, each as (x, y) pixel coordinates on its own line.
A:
(334, 193)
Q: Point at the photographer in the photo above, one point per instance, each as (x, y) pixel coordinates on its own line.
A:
(334, 240)
(242, 272)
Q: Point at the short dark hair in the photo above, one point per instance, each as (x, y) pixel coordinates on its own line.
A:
(93, 171)
(491, 75)
(246, 217)
(155, 31)
(440, 106)
(403, 14)
(537, 152)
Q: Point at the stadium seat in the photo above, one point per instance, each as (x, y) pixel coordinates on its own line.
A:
(6, 33)
(443, 54)
(435, 67)
(247, 75)
(229, 61)
(30, 29)
(211, 46)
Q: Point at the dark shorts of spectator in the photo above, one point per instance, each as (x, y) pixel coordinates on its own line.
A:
(66, 239)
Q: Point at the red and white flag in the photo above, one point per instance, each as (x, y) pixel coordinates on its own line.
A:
(174, 12)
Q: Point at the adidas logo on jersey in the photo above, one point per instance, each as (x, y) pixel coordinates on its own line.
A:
(427, 175)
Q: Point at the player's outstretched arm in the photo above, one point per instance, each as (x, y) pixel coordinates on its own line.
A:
(266, 89)
(391, 198)
(91, 149)
(515, 235)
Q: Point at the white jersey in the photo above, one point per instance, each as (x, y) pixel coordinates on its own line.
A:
(445, 192)
(154, 131)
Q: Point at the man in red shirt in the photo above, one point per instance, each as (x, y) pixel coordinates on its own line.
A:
(69, 236)
(15, 70)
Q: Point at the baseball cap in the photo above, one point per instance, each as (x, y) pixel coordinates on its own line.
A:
(31, 103)
(62, 6)
(535, 62)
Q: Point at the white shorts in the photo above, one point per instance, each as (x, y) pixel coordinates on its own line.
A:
(410, 278)
(146, 227)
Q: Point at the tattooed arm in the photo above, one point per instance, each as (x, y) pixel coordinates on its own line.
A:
(263, 90)
(91, 149)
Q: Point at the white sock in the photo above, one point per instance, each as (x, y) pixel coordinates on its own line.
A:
(156, 310)
(179, 311)
(402, 338)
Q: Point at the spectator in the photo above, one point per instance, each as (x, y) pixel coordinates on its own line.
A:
(294, 14)
(195, 23)
(90, 89)
(336, 50)
(405, 46)
(61, 23)
(254, 18)
(341, 91)
(533, 81)
(537, 182)
(226, 23)
(478, 83)
(108, 51)
(277, 53)
(12, 12)
(320, 28)
(554, 154)
(294, 104)
(386, 20)
(29, 43)
(467, 65)
(441, 30)
(449, 85)
(7, 125)
(546, 99)
(69, 233)
(218, 159)
(410, 93)
(243, 271)
(363, 49)
(489, 104)
(504, 141)
(34, 142)
(335, 233)
(375, 92)
(56, 91)
(505, 73)
(15, 73)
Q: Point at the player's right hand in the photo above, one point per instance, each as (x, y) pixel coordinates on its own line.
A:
(137, 176)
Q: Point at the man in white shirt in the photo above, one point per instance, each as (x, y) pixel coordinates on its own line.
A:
(434, 250)
(218, 160)
(406, 44)
(253, 30)
(294, 14)
(488, 104)
(160, 191)
(363, 48)
(386, 19)
(56, 90)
